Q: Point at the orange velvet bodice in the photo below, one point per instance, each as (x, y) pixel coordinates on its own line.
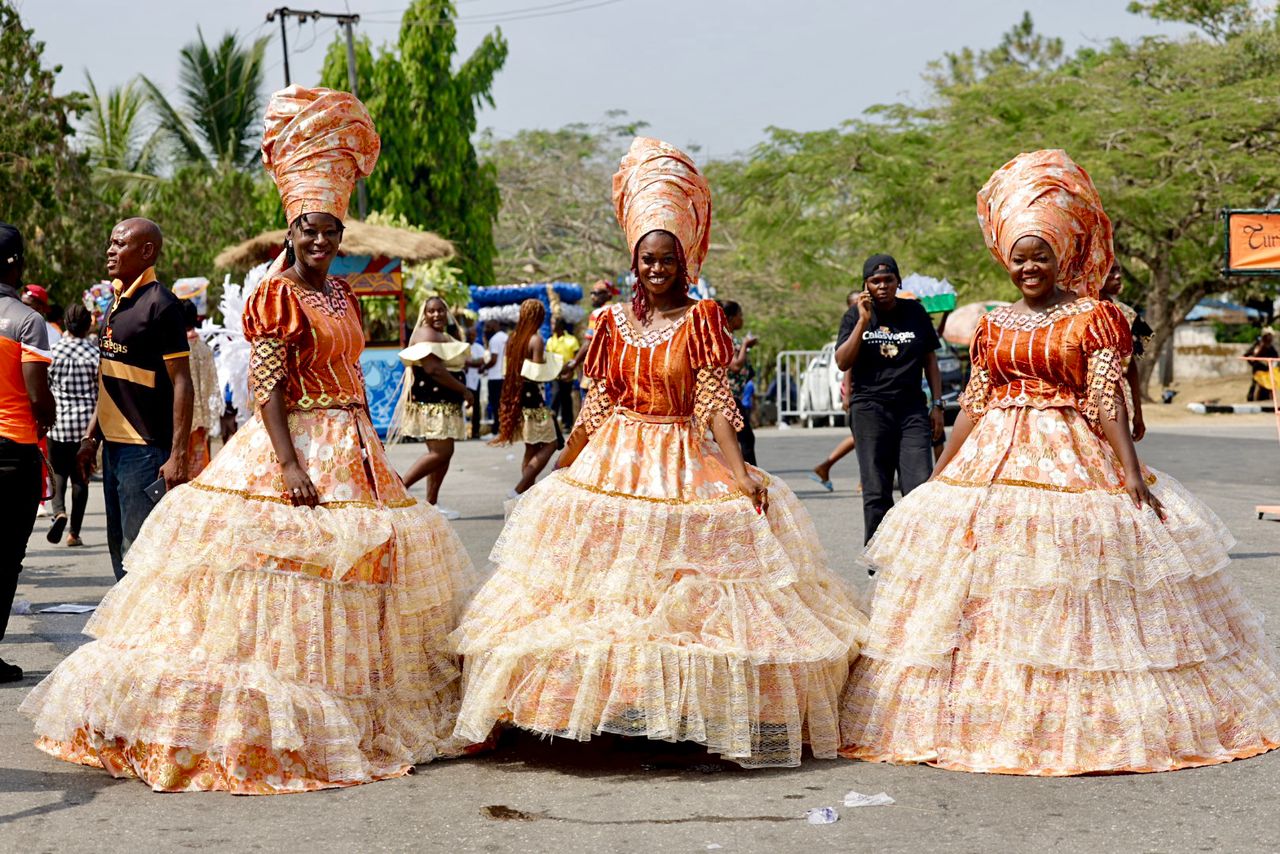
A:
(1071, 356)
(677, 372)
(307, 340)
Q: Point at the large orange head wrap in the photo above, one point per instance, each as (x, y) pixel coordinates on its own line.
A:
(658, 188)
(316, 144)
(1047, 195)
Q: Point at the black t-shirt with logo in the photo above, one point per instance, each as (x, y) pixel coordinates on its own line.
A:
(890, 364)
(143, 330)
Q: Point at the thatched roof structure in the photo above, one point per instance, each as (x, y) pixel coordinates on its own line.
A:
(359, 238)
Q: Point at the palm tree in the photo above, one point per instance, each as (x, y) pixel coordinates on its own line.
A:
(220, 88)
(123, 154)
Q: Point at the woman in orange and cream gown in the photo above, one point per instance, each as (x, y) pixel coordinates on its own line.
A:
(283, 625)
(654, 585)
(1046, 604)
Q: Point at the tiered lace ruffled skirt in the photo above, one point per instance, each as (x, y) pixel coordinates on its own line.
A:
(257, 647)
(1029, 619)
(638, 592)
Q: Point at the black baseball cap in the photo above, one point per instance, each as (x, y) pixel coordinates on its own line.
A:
(10, 244)
(880, 264)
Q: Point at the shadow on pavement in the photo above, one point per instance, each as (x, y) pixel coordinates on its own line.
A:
(611, 756)
(77, 788)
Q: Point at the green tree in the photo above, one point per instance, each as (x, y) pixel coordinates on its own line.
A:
(556, 220)
(1170, 130)
(425, 112)
(123, 151)
(1219, 19)
(45, 183)
(218, 124)
(202, 211)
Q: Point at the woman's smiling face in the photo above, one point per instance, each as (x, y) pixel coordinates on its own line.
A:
(1033, 267)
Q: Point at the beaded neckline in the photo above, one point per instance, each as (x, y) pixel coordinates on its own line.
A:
(651, 338)
(1005, 318)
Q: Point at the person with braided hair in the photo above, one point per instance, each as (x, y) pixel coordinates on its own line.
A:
(656, 585)
(523, 415)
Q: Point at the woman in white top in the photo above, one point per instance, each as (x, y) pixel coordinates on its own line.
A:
(431, 405)
(523, 415)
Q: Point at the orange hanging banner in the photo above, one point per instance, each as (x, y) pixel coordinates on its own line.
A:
(1252, 242)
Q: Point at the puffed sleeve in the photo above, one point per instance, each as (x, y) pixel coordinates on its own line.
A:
(977, 394)
(1107, 342)
(597, 407)
(595, 364)
(711, 351)
(272, 319)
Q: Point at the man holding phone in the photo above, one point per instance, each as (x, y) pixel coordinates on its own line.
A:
(889, 345)
(143, 418)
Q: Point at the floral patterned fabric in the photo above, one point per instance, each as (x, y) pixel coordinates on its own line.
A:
(639, 592)
(316, 143)
(1028, 617)
(1045, 194)
(258, 647)
(658, 188)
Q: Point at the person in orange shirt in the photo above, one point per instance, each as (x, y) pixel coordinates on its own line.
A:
(26, 414)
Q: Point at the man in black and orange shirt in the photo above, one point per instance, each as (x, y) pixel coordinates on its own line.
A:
(144, 388)
(26, 412)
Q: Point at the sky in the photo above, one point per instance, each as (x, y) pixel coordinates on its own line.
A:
(709, 73)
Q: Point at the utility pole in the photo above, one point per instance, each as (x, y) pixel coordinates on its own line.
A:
(347, 22)
(284, 39)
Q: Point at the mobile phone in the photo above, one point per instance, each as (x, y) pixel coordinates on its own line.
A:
(156, 490)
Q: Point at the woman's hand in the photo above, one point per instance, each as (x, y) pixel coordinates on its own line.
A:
(754, 489)
(298, 487)
(1136, 486)
(469, 397)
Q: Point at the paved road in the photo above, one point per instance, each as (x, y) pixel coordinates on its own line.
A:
(534, 795)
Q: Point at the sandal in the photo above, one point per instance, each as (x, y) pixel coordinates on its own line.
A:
(73, 540)
(826, 484)
(55, 530)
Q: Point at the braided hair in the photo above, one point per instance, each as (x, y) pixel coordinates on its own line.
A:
(510, 416)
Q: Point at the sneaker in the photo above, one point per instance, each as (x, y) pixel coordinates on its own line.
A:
(73, 541)
(447, 513)
(55, 530)
(42, 512)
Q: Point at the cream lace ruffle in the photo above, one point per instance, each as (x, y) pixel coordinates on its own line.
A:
(677, 613)
(1031, 630)
(260, 647)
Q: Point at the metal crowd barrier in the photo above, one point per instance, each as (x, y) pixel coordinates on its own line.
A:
(807, 388)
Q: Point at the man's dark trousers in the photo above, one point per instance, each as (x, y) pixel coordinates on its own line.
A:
(891, 436)
(21, 483)
(127, 471)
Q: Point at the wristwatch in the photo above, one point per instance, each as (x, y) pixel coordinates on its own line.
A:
(937, 403)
